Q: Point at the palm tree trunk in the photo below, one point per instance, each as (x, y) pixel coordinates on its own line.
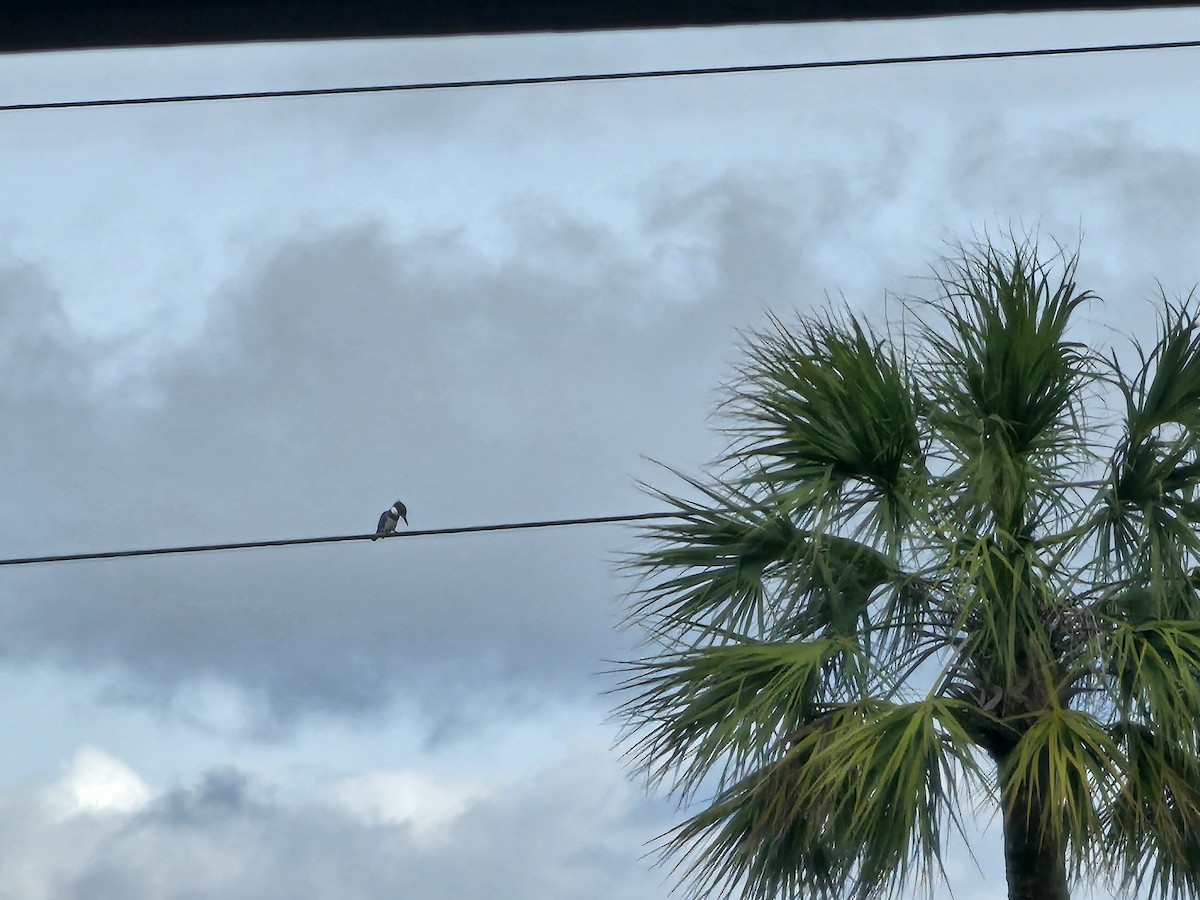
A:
(1035, 867)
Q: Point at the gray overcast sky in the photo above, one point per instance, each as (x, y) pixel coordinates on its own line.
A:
(250, 320)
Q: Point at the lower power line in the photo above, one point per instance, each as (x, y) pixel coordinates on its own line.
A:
(334, 539)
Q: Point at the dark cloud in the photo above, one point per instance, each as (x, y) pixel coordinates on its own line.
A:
(223, 794)
(346, 369)
(39, 353)
(1129, 195)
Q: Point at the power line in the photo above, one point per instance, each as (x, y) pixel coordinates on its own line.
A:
(334, 539)
(602, 76)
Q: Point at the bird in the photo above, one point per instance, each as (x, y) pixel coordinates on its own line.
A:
(389, 519)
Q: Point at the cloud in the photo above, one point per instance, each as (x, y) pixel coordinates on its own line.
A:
(573, 826)
(96, 783)
(1105, 178)
(573, 829)
(480, 382)
(426, 803)
(335, 373)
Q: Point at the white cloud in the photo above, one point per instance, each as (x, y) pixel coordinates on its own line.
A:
(95, 782)
(572, 828)
(424, 802)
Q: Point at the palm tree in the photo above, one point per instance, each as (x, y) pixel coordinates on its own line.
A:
(945, 565)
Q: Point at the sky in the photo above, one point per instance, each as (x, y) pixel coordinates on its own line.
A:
(253, 320)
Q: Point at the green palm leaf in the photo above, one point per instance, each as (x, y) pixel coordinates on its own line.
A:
(1070, 763)
(1155, 669)
(823, 408)
(1154, 820)
(743, 565)
(732, 704)
(861, 800)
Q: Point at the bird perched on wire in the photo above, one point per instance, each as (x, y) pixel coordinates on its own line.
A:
(389, 520)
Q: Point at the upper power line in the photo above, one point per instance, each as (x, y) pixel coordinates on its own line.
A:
(600, 76)
(334, 539)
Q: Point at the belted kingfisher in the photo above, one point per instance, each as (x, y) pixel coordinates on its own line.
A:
(387, 522)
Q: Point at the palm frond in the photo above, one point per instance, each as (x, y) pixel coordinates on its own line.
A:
(1004, 378)
(861, 801)
(708, 571)
(825, 403)
(1151, 503)
(740, 565)
(726, 708)
(1070, 765)
(1153, 834)
(1154, 667)
(1166, 389)
(1006, 609)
